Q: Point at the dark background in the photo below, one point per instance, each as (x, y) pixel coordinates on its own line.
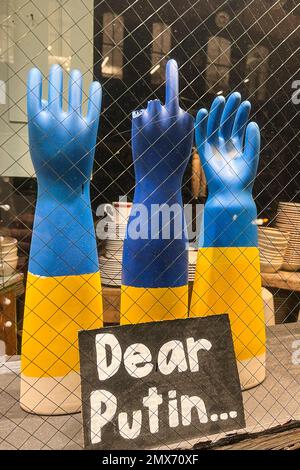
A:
(264, 39)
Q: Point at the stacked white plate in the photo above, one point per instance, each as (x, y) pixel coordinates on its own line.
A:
(288, 220)
(193, 252)
(115, 231)
(111, 271)
(272, 244)
(8, 256)
(111, 260)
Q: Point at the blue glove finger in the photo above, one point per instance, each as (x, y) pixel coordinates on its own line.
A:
(172, 87)
(75, 92)
(34, 93)
(214, 118)
(154, 108)
(200, 131)
(252, 146)
(55, 89)
(94, 104)
(228, 116)
(44, 105)
(240, 123)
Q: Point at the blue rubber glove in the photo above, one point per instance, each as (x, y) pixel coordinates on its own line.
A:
(62, 147)
(162, 137)
(229, 151)
(227, 278)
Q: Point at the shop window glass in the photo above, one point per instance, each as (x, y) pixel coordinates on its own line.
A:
(112, 49)
(218, 63)
(161, 46)
(257, 68)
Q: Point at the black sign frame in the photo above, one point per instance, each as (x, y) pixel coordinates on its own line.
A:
(216, 383)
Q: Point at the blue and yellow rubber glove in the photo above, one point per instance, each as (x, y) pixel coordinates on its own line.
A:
(63, 292)
(227, 276)
(155, 263)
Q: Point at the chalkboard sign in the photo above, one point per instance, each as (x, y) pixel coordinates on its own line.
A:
(156, 383)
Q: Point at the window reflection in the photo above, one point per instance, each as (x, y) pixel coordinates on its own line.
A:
(218, 63)
(257, 69)
(161, 47)
(112, 49)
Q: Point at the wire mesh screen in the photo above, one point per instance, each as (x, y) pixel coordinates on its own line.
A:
(221, 47)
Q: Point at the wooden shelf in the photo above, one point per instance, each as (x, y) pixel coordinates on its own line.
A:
(111, 304)
(10, 288)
